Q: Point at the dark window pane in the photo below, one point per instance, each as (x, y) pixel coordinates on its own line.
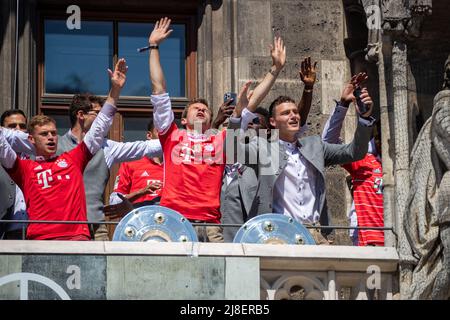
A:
(62, 123)
(76, 60)
(135, 128)
(172, 52)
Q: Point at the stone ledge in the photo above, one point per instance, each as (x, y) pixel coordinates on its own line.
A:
(273, 257)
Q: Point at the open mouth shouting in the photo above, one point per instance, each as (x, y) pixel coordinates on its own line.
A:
(51, 145)
(201, 115)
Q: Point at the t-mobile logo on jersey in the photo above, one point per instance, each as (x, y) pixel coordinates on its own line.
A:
(45, 177)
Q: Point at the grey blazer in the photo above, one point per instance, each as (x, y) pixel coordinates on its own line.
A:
(236, 200)
(272, 159)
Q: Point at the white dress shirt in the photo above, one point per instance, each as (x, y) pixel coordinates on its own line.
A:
(295, 191)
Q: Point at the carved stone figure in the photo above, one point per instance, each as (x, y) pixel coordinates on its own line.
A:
(427, 217)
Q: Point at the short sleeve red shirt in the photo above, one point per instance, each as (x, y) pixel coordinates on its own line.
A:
(367, 175)
(136, 175)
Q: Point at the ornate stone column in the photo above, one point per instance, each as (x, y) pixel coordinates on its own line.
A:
(402, 22)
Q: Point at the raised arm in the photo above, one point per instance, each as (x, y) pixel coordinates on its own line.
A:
(95, 136)
(278, 53)
(19, 141)
(162, 113)
(159, 34)
(7, 155)
(116, 152)
(357, 149)
(307, 74)
(332, 129)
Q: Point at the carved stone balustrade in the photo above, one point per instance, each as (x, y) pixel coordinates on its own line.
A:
(139, 270)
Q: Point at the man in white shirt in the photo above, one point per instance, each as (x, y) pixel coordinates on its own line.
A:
(291, 172)
(14, 119)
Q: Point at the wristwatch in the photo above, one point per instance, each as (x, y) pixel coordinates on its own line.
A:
(154, 46)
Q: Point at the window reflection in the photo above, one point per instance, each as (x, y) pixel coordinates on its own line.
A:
(135, 35)
(135, 128)
(76, 60)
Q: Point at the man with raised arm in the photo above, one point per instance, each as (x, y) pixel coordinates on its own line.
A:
(194, 160)
(291, 178)
(366, 174)
(53, 185)
(240, 180)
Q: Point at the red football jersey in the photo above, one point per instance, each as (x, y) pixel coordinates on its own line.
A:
(54, 190)
(193, 170)
(367, 177)
(136, 175)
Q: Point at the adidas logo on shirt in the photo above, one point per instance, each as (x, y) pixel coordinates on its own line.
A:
(145, 174)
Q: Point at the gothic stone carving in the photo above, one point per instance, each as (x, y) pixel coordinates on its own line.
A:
(427, 220)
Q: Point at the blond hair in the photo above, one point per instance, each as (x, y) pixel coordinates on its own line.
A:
(39, 120)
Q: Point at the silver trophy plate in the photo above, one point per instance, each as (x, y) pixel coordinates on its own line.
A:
(155, 224)
(273, 228)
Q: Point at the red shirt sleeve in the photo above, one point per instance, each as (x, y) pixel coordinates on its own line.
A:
(80, 155)
(17, 172)
(124, 183)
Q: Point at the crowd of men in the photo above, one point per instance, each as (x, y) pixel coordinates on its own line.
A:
(246, 161)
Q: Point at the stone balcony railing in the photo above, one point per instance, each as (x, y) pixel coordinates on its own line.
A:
(142, 270)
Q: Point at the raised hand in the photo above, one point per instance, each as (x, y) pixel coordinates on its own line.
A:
(365, 97)
(243, 99)
(118, 77)
(278, 53)
(347, 96)
(225, 111)
(160, 31)
(308, 73)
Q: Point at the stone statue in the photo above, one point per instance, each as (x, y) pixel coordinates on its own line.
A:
(427, 216)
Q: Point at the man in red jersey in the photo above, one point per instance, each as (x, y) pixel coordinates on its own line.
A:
(193, 158)
(140, 181)
(367, 173)
(53, 185)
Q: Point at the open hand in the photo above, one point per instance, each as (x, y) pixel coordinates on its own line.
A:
(278, 53)
(160, 31)
(347, 96)
(118, 77)
(243, 99)
(308, 73)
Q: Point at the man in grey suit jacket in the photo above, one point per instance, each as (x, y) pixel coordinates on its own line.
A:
(240, 181)
(290, 169)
